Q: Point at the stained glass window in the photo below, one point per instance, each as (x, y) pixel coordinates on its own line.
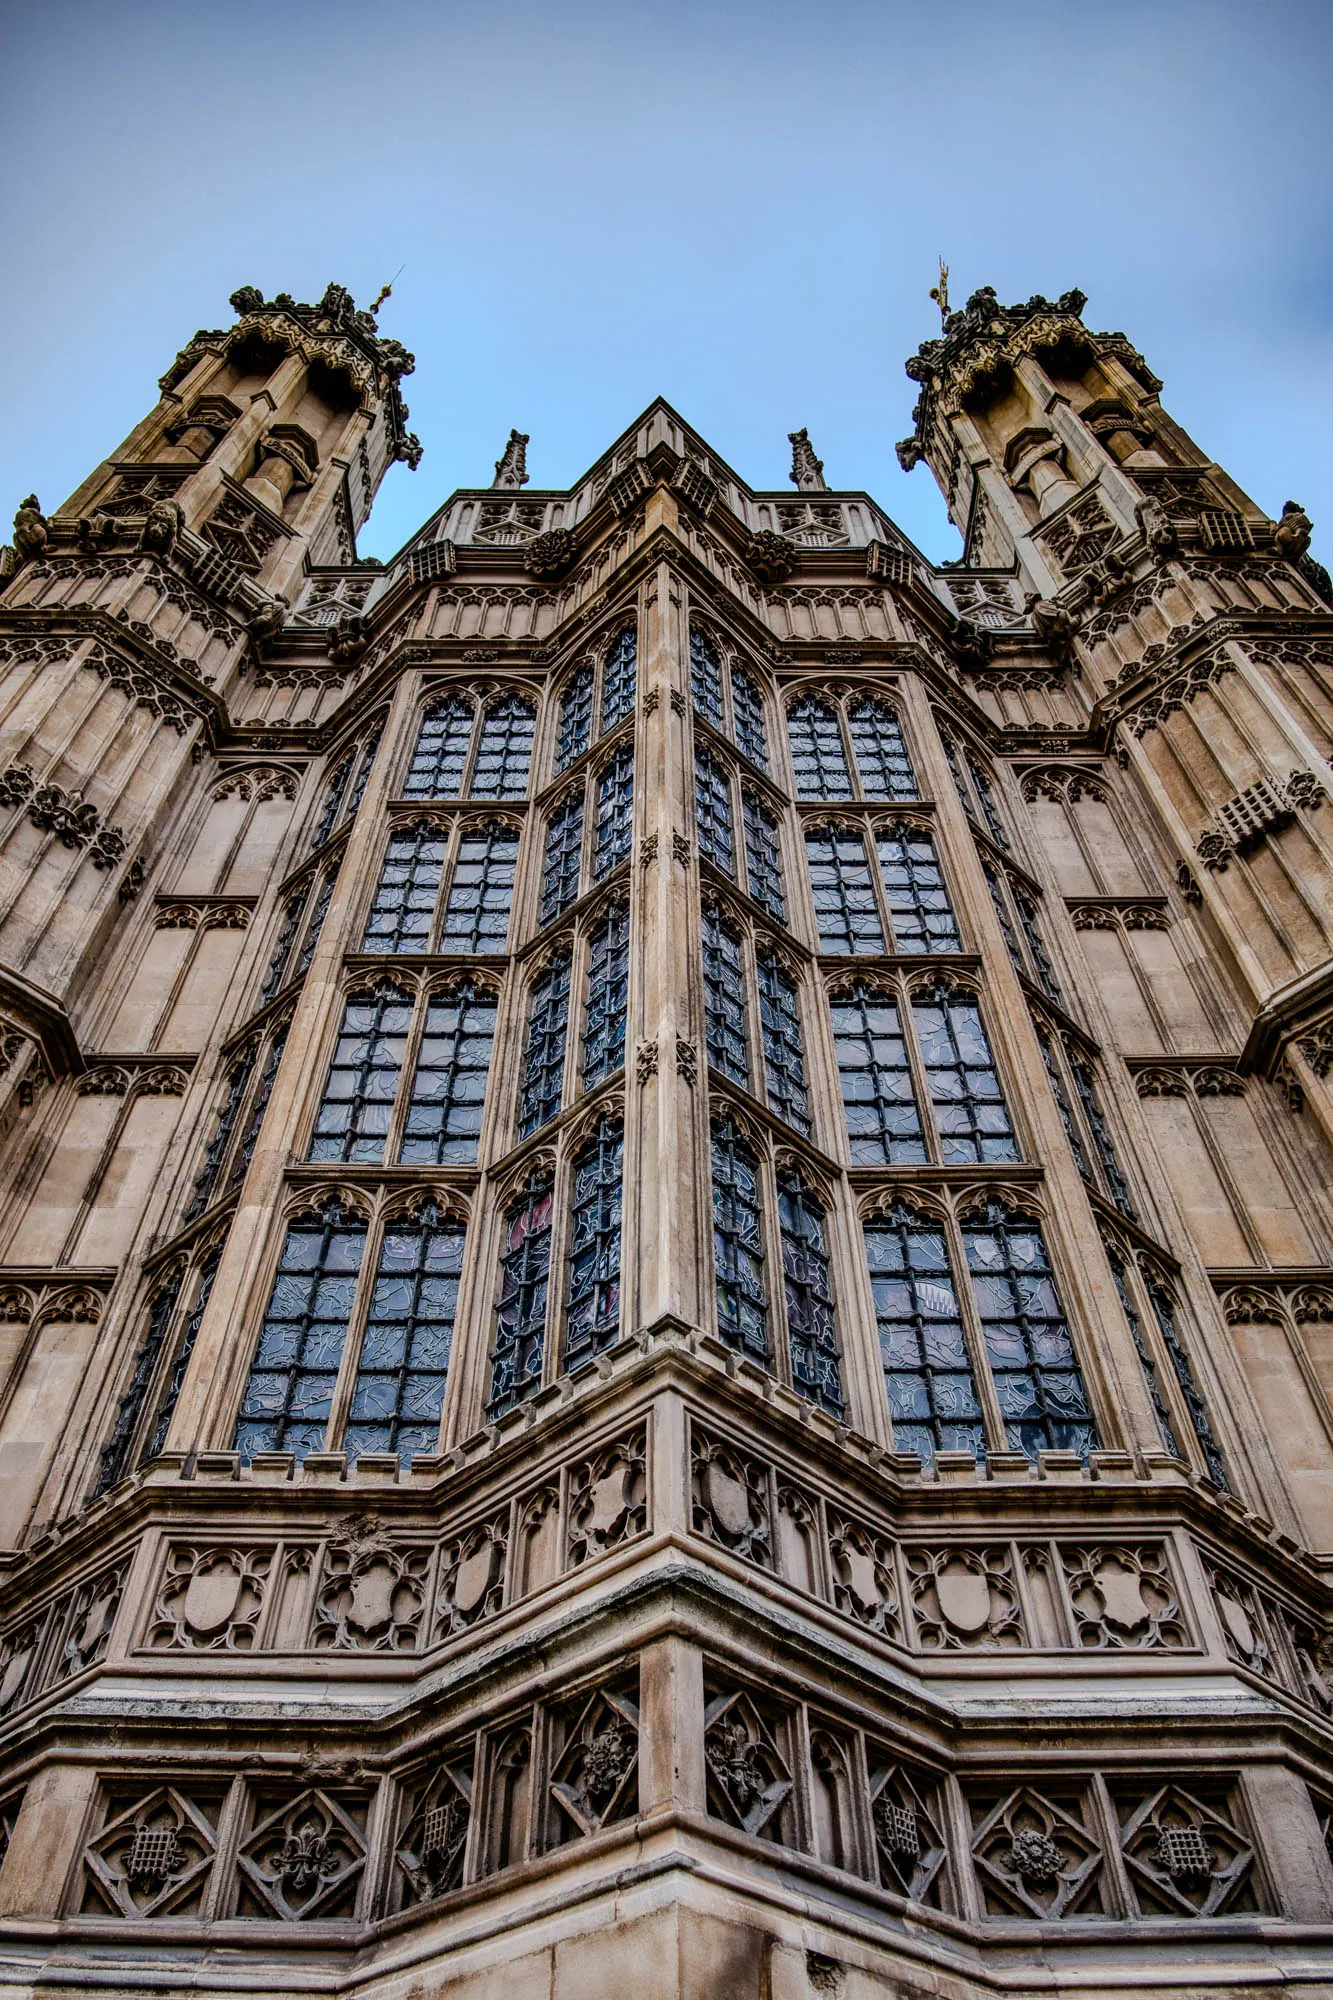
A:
(817, 755)
(114, 1455)
(763, 856)
(883, 1123)
(811, 1332)
(923, 919)
(1011, 943)
(882, 762)
(238, 1083)
(608, 992)
(1063, 1106)
(1027, 916)
(592, 1309)
(1116, 1183)
(333, 798)
(289, 1395)
(784, 1053)
(1147, 1365)
(520, 1326)
(404, 907)
(845, 912)
(724, 999)
(1043, 1402)
(291, 923)
(748, 709)
(404, 1361)
(969, 1106)
(564, 849)
(706, 677)
(738, 1246)
(712, 812)
(575, 718)
(352, 1122)
(1182, 1368)
(615, 813)
(166, 1409)
(928, 1375)
(953, 758)
(504, 754)
(619, 679)
(362, 779)
(444, 1110)
(440, 757)
(544, 1057)
(258, 1106)
(986, 800)
(476, 917)
(315, 924)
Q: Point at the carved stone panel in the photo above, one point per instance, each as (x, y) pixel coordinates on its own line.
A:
(431, 1851)
(472, 1576)
(607, 1499)
(371, 1596)
(749, 1771)
(210, 1598)
(1187, 1850)
(153, 1853)
(732, 1506)
(965, 1598)
(1122, 1596)
(304, 1853)
(864, 1576)
(911, 1851)
(1036, 1852)
(595, 1765)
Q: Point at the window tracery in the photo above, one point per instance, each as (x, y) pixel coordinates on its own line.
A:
(465, 750)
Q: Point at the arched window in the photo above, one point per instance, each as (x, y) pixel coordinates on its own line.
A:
(846, 913)
(481, 891)
(592, 1308)
(784, 1052)
(607, 997)
(619, 678)
(706, 677)
(712, 813)
(970, 1112)
(352, 1123)
(881, 756)
(747, 709)
(542, 1085)
(763, 856)
(439, 761)
(914, 889)
(563, 858)
(928, 1371)
(738, 1242)
(875, 1072)
(289, 1396)
(807, 1294)
(402, 914)
(575, 718)
(504, 754)
(615, 813)
(818, 758)
(398, 1390)
(724, 999)
(448, 1095)
(1043, 1403)
(520, 1325)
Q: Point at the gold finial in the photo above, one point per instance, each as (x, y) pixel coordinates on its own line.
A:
(940, 293)
(386, 291)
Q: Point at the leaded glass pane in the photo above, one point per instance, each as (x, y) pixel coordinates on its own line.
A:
(706, 678)
(763, 856)
(352, 1122)
(289, 1395)
(883, 1123)
(544, 1057)
(953, 759)
(114, 1455)
(404, 908)
(1042, 1398)
(619, 679)
(575, 718)
(362, 779)
(747, 708)
(615, 813)
(817, 755)
(448, 1097)
(1182, 1368)
(476, 917)
(1116, 1183)
(608, 992)
(882, 763)
(928, 1373)
(315, 925)
(564, 849)
(969, 1106)
(811, 1332)
(404, 1362)
(784, 1052)
(238, 1083)
(990, 813)
(166, 1409)
(923, 919)
(592, 1310)
(291, 923)
(712, 813)
(1027, 916)
(333, 798)
(504, 755)
(520, 1324)
(1011, 943)
(440, 757)
(259, 1105)
(1147, 1365)
(724, 999)
(738, 1246)
(846, 915)
(1063, 1106)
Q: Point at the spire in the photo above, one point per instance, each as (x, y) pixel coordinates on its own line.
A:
(511, 468)
(807, 471)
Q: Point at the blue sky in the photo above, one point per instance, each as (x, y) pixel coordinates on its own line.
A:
(736, 204)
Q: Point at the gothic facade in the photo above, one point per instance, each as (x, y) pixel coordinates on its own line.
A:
(666, 1238)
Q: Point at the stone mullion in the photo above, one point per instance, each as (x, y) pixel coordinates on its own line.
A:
(210, 1394)
(666, 1127)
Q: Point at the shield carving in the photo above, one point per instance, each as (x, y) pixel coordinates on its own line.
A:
(728, 1501)
(370, 1605)
(473, 1578)
(1237, 1623)
(12, 1679)
(861, 1580)
(608, 1502)
(964, 1598)
(1121, 1592)
(211, 1598)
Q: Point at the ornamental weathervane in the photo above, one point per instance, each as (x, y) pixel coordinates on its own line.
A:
(940, 294)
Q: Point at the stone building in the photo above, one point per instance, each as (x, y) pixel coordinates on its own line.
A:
(667, 1270)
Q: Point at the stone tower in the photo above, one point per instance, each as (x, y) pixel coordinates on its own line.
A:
(666, 1257)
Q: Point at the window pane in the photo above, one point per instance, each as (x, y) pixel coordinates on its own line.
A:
(520, 1326)
(883, 1123)
(969, 1106)
(805, 1276)
(724, 999)
(1183, 1369)
(1117, 1186)
(712, 813)
(290, 1392)
(608, 987)
(817, 753)
(404, 1363)
(166, 1409)
(881, 755)
(282, 950)
(315, 925)
(352, 1122)
(923, 919)
(339, 779)
(844, 896)
(615, 813)
(619, 678)
(476, 917)
(1062, 1104)
(114, 1456)
(748, 709)
(404, 907)
(575, 718)
(784, 1053)
(238, 1083)
(1027, 916)
(362, 779)
(449, 1088)
(440, 756)
(592, 1310)
(544, 1058)
(986, 800)
(763, 856)
(927, 1369)
(505, 752)
(1042, 1398)
(706, 678)
(1147, 1365)
(258, 1106)
(560, 867)
(738, 1246)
